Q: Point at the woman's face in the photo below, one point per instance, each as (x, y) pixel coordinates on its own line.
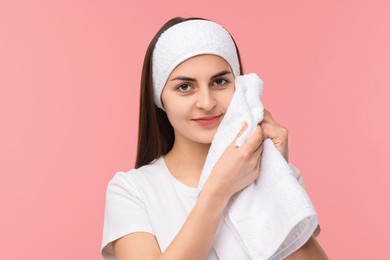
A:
(200, 87)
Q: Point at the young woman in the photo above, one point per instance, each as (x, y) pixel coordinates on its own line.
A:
(152, 211)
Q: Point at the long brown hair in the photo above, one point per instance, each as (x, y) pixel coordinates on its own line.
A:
(155, 132)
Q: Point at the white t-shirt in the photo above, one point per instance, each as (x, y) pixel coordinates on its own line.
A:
(149, 199)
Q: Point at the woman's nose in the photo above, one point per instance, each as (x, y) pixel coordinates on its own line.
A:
(205, 99)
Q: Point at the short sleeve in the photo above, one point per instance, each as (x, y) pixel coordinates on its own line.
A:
(297, 173)
(124, 212)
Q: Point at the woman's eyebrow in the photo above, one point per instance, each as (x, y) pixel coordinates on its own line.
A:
(222, 73)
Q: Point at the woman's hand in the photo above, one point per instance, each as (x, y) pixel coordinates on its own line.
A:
(238, 166)
(277, 133)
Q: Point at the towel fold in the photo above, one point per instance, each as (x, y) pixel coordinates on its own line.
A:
(273, 216)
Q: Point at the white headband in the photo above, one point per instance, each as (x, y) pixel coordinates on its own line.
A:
(185, 40)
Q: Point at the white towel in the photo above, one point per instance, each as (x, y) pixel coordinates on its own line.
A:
(273, 216)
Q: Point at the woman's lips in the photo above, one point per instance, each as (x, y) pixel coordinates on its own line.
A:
(208, 121)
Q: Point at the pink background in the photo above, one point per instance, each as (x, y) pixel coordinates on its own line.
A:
(69, 78)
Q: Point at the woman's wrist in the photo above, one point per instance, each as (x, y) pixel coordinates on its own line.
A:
(215, 192)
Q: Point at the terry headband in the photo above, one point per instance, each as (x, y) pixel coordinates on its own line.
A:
(185, 40)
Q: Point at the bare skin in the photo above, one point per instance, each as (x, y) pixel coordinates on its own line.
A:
(236, 169)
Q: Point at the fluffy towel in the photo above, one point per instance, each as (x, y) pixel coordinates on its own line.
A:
(273, 216)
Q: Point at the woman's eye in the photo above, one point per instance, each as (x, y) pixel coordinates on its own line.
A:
(184, 88)
(221, 81)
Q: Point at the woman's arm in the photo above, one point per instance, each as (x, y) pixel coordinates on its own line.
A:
(236, 169)
(193, 240)
(311, 250)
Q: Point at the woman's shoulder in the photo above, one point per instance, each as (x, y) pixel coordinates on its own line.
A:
(151, 172)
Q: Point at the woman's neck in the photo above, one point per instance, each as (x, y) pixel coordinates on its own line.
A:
(187, 158)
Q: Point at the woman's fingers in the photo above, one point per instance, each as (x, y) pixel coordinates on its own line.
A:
(254, 141)
(271, 128)
(268, 117)
(237, 168)
(273, 131)
(243, 129)
(277, 133)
